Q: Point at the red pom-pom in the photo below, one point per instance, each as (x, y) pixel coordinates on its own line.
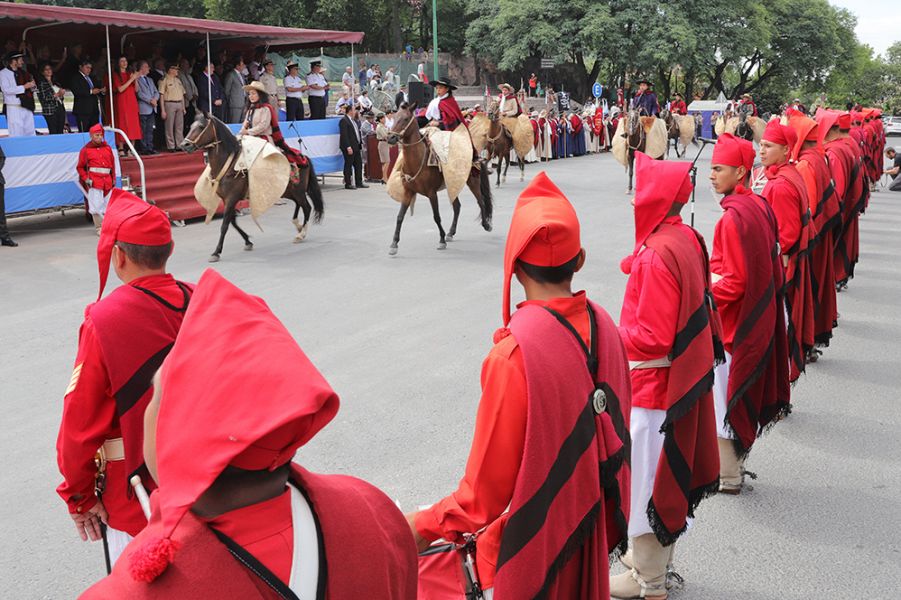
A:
(501, 334)
(740, 189)
(151, 558)
(625, 265)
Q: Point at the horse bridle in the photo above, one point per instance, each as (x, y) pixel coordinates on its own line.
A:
(215, 142)
(401, 133)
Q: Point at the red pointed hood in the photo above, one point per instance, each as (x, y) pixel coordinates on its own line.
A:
(827, 119)
(658, 185)
(805, 129)
(544, 231)
(131, 220)
(236, 390)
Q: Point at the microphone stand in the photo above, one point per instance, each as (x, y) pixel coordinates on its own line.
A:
(694, 175)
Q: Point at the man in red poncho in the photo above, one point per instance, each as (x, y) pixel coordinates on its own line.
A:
(809, 157)
(786, 193)
(840, 140)
(233, 516)
(97, 172)
(555, 388)
(677, 105)
(751, 388)
(122, 342)
(670, 329)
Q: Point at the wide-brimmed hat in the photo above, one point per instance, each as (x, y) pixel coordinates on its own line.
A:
(443, 81)
(746, 95)
(505, 85)
(255, 85)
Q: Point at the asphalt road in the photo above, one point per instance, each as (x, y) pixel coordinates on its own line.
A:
(402, 340)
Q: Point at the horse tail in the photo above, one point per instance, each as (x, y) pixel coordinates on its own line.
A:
(485, 189)
(315, 193)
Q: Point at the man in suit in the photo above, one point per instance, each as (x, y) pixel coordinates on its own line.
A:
(351, 142)
(208, 82)
(235, 96)
(402, 97)
(85, 108)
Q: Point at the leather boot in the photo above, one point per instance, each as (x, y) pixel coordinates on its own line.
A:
(98, 221)
(731, 478)
(647, 579)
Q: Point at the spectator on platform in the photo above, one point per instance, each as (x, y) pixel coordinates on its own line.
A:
(267, 78)
(191, 92)
(86, 107)
(343, 101)
(533, 85)
(381, 134)
(235, 96)
(42, 57)
(364, 101)
(148, 106)
(402, 96)
(158, 70)
(18, 95)
(255, 68)
(208, 83)
(71, 62)
(347, 80)
(317, 86)
(50, 95)
(294, 89)
(363, 75)
(200, 62)
(125, 102)
(172, 96)
(390, 81)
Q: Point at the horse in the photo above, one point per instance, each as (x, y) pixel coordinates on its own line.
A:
(212, 135)
(500, 145)
(672, 132)
(743, 129)
(419, 177)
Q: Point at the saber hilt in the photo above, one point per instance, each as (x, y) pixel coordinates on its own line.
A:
(141, 493)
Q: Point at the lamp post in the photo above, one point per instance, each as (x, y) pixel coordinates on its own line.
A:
(435, 38)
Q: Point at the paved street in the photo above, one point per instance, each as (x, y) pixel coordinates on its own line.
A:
(402, 340)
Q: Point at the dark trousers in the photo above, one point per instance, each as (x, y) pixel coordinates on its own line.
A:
(147, 125)
(317, 107)
(3, 230)
(294, 108)
(56, 121)
(85, 122)
(190, 115)
(353, 162)
(895, 185)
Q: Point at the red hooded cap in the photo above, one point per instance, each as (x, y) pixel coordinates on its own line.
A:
(844, 121)
(827, 119)
(780, 134)
(658, 185)
(806, 130)
(734, 152)
(131, 220)
(544, 231)
(96, 128)
(236, 390)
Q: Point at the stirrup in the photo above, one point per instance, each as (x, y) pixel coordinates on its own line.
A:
(673, 579)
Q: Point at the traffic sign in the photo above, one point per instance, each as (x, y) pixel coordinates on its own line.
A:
(547, 63)
(597, 90)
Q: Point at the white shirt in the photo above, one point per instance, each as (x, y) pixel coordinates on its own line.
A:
(316, 79)
(347, 79)
(364, 101)
(342, 102)
(295, 82)
(432, 113)
(9, 87)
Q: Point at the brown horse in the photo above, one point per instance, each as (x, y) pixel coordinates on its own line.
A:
(672, 132)
(421, 178)
(210, 134)
(500, 145)
(635, 137)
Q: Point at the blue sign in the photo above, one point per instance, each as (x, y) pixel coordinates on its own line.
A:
(597, 90)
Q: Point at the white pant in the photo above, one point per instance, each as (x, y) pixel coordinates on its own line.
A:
(20, 121)
(97, 201)
(721, 398)
(116, 541)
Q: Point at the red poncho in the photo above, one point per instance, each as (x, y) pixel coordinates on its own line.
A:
(753, 317)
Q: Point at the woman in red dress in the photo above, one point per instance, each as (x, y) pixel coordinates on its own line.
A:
(125, 98)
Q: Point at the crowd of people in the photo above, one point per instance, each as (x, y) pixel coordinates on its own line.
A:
(153, 100)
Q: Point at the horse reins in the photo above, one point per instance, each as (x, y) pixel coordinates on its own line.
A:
(215, 142)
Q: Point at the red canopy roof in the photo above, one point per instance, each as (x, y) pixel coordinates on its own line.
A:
(20, 16)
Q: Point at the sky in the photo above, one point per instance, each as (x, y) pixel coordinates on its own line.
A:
(878, 21)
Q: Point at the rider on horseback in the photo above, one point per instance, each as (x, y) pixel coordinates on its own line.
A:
(645, 100)
(746, 105)
(444, 112)
(262, 121)
(508, 104)
(677, 105)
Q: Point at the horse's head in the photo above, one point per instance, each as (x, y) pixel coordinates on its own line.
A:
(404, 119)
(633, 122)
(201, 135)
(667, 116)
(493, 110)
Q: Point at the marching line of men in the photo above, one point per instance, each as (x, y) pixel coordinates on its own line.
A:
(668, 403)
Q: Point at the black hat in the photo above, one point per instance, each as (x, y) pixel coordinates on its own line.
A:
(267, 62)
(443, 81)
(12, 55)
(315, 63)
(640, 81)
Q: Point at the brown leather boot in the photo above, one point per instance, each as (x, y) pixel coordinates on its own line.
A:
(647, 579)
(731, 478)
(98, 221)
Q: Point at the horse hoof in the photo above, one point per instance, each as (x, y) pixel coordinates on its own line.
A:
(298, 239)
(442, 246)
(214, 258)
(248, 247)
(449, 237)
(392, 251)
(486, 226)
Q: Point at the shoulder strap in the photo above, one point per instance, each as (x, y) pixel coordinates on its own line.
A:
(256, 567)
(590, 352)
